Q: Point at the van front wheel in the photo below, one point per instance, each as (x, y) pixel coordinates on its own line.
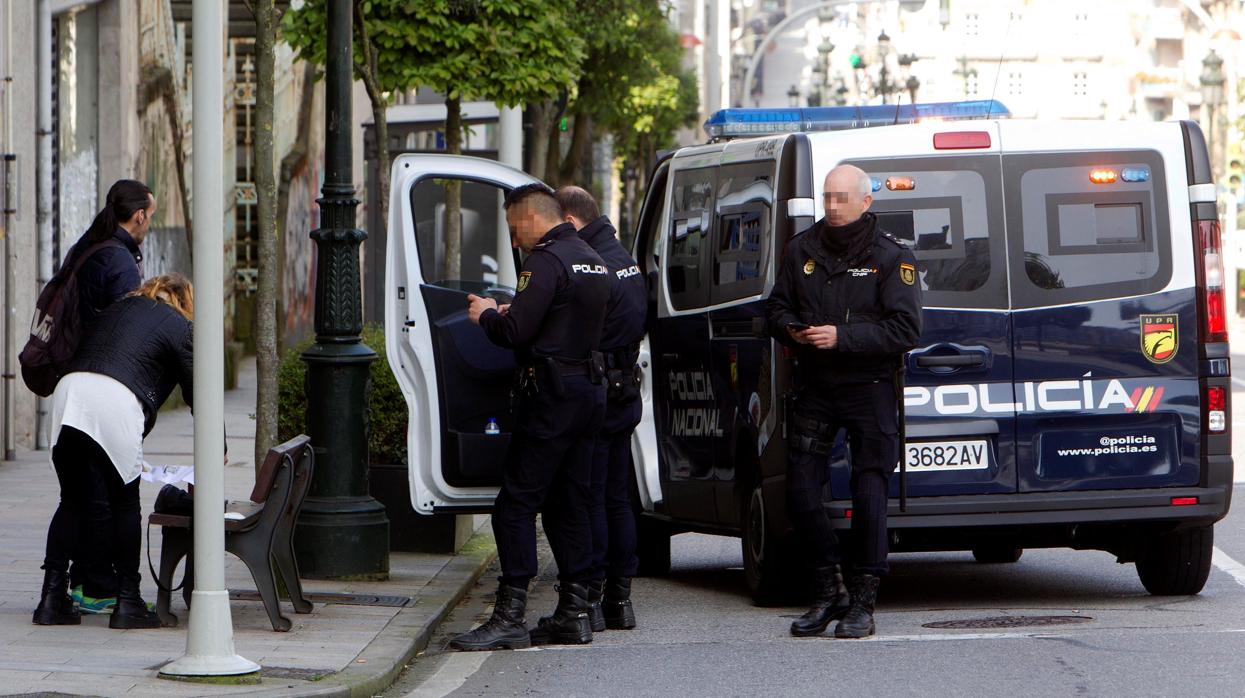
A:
(768, 569)
(1177, 564)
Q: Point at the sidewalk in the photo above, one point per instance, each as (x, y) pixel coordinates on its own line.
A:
(338, 649)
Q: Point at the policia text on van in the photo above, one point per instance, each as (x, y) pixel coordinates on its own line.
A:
(1073, 300)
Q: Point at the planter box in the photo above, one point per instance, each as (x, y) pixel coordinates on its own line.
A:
(408, 531)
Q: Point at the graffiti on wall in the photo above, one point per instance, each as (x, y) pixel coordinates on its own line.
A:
(298, 279)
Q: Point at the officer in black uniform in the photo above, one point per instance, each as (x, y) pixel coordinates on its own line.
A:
(554, 327)
(612, 518)
(848, 300)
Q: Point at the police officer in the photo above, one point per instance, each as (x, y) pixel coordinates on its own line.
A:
(848, 300)
(554, 327)
(612, 518)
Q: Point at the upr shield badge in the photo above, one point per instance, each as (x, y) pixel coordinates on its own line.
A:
(907, 273)
(1159, 337)
(524, 277)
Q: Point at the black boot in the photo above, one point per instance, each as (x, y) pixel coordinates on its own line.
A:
(858, 622)
(131, 612)
(617, 604)
(569, 624)
(830, 602)
(504, 630)
(55, 607)
(596, 588)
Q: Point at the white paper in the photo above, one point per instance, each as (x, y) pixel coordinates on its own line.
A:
(168, 474)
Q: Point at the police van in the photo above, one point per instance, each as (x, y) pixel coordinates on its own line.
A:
(1072, 383)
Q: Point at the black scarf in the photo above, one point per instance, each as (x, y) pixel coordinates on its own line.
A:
(848, 242)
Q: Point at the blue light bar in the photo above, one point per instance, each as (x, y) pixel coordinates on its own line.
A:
(1135, 174)
(738, 122)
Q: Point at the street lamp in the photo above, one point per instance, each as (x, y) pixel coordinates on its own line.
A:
(884, 86)
(1212, 80)
(342, 531)
(793, 96)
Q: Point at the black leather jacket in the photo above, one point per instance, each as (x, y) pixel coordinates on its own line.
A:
(108, 275)
(145, 345)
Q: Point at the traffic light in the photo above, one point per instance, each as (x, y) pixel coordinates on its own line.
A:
(856, 60)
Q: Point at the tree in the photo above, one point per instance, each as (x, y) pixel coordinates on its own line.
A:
(267, 21)
(508, 51)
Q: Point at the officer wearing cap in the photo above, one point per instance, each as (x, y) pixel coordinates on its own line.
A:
(554, 327)
(848, 301)
(612, 518)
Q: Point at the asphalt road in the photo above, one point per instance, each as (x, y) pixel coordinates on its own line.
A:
(700, 635)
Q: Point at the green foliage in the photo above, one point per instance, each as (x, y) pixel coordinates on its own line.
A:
(387, 440)
(633, 83)
(507, 51)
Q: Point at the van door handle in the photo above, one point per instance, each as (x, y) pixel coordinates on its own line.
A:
(953, 360)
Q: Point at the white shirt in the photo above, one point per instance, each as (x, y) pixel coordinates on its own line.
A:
(108, 412)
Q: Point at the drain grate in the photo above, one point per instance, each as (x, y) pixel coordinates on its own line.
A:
(1006, 622)
(285, 672)
(333, 598)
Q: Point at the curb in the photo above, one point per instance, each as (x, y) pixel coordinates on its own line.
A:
(407, 634)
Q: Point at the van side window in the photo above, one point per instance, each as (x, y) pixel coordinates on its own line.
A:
(1084, 239)
(481, 221)
(690, 223)
(745, 193)
(952, 219)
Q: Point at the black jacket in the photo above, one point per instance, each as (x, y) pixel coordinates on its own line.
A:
(873, 300)
(559, 306)
(145, 345)
(110, 273)
(627, 310)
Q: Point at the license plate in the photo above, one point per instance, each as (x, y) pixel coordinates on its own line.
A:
(937, 456)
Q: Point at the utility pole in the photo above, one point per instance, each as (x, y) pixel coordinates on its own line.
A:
(209, 641)
(342, 531)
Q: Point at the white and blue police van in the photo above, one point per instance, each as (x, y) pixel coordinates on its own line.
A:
(1072, 383)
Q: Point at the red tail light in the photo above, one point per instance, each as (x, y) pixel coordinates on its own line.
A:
(1183, 501)
(1209, 246)
(1216, 409)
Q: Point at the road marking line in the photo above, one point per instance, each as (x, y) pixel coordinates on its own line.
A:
(451, 675)
(1227, 564)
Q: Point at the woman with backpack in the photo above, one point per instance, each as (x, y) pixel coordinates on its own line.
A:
(128, 362)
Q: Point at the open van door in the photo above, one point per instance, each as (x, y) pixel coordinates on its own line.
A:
(455, 381)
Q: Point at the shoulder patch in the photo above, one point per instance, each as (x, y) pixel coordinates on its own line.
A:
(524, 279)
(895, 240)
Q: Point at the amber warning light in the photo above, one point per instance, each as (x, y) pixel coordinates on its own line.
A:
(1102, 176)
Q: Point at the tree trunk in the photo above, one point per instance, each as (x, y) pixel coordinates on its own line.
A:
(453, 191)
(541, 112)
(581, 139)
(553, 151)
(267, 20)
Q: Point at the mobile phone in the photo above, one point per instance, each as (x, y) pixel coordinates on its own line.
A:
(797, 326)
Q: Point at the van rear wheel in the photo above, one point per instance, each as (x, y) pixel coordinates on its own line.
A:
(1177, 564)
(997, 554)
(768, 569)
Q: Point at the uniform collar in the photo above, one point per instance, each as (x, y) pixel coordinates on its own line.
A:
(561, 231)
(598, 231)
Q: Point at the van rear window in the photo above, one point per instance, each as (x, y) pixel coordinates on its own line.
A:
(1086, 237)
(952, 220)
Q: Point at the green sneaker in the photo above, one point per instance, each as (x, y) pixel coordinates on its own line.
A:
(90, 604)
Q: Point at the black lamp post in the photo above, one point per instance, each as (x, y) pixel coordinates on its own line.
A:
(884, 86)
(1212, 80)
(342, 531)
(793, 96)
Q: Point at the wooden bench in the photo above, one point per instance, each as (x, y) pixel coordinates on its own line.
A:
(263, 536)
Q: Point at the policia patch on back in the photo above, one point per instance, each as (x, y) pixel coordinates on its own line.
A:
(524, 278)
(907, 273)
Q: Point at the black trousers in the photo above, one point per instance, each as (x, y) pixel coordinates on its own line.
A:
(549, 470)
(99, 516)
(868, 411)
(613, 519)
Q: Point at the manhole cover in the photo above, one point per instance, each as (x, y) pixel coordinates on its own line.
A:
(334, 598)
(1006, 622)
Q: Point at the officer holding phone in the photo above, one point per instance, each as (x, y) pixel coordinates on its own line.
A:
(848, 301)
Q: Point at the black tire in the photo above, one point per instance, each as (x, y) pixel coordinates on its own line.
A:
(652, 547)
(772, 579)
(997, 554)
(1177, 564)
